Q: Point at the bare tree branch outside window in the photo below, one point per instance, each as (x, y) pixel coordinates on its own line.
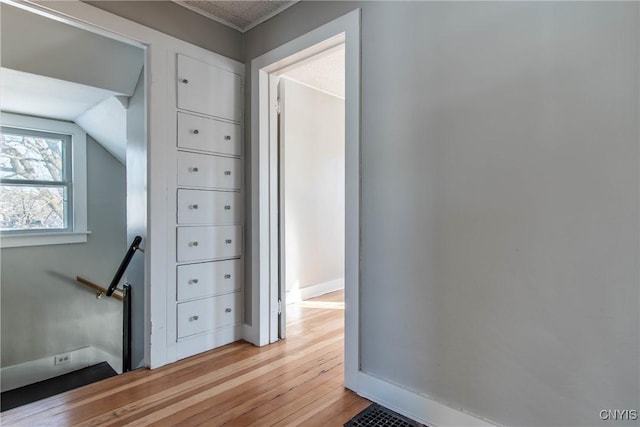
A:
(35, 182)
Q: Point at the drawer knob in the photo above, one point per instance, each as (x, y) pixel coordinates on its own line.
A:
(193, 281)
(228, 241)
(227, 207)
(227, 137)
(185, 81)
(227, 172)
(227, 276)
(195, 206)
(194, 169)
(193, 318)
(193, 244)
(196, 131)
(227, 310)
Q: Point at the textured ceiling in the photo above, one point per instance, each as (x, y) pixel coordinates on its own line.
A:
(324, 71)
(242, 15)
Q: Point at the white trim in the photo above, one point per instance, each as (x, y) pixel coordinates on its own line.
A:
(312, 291)
(416, 406)
(230, 24)
(41, 239)
(26, 373)
(347, 26)
(78, 233)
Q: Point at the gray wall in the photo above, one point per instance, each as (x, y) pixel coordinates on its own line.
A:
(44, 311)
(500, 223)
(313, 147)
(179, 22)
(39, 45)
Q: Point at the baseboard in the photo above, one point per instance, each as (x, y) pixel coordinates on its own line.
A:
(205, 342)
(416, 406)
(297, 295)
(42, 369)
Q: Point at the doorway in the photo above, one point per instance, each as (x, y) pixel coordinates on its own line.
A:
(73, 197)
(263, 321)
(309, 99)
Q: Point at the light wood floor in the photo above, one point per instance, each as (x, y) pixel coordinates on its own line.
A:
(297, 381)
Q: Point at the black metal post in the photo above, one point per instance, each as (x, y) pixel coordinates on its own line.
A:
(126, 328)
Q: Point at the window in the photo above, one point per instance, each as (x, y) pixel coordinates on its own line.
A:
(43, 177)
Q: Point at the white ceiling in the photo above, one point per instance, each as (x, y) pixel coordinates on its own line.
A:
(36, 95)
(324, 71)
(100, 112)
(241, 15)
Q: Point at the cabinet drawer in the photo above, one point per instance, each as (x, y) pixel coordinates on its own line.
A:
(207, 89)
(205, 243)
(207, 314)
(202, 170)
(209, 207)
(198, 133)
(209, 278)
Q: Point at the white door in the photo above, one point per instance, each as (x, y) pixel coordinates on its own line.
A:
(282, 276)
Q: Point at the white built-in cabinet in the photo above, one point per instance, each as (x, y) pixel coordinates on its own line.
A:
(205, 295)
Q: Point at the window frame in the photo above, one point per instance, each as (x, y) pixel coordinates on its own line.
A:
(76, 231)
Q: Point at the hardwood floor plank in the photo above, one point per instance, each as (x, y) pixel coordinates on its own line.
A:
(297, 381)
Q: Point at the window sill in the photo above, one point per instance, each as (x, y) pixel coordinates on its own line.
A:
(42, 239)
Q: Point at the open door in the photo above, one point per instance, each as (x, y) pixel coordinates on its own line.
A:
(277, 329)
(282, 276)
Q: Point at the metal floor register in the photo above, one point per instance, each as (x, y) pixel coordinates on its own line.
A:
(376, 415)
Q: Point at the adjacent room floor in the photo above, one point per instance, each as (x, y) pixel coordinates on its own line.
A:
(297, 381)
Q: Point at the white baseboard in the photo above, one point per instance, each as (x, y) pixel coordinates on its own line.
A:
(415, 406)
(301, 294)
(205, 342)
(41, 369)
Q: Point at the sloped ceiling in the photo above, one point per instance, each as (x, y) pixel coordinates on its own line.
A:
(53, 71)
(324, 71)
(241, 15)
(99, 112)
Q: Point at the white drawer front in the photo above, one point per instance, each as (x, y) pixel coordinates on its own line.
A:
(202, 170)
(207, 314)
(212, 242)
(198, 133)
(209, 278)
(209, 207)
(207, 89)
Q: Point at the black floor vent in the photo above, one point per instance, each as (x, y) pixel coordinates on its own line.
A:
(376, 415)
(47, 388)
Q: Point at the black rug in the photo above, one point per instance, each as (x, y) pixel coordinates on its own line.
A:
(47, 388)
(376, 415)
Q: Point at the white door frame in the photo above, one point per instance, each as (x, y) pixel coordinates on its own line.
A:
(157, 46)
(263, 236)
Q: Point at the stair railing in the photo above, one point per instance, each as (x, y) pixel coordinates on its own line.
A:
(123, 294)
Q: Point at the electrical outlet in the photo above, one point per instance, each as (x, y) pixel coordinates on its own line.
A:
(62, 359)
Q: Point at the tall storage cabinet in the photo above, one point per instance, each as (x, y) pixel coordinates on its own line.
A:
(204, 308)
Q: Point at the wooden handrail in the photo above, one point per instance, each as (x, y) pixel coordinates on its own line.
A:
(100, 291)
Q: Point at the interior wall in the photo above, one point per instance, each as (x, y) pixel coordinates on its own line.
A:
(313, 146)
(42, 46)
(500, 193)
(44, 311)
(179, 22)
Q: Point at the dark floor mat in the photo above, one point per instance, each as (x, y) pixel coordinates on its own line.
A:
(376, 415)
(47, 388)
